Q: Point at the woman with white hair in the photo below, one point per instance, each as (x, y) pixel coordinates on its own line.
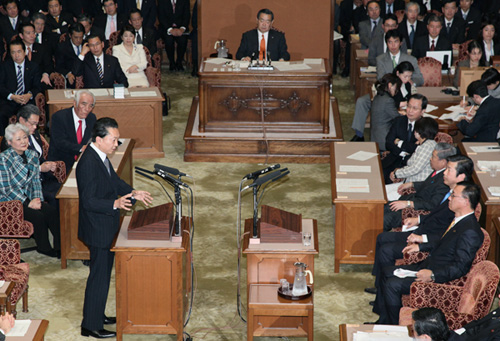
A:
(20, 180)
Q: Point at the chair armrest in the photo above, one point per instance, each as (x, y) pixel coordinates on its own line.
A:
(154, 76)
(60, 172)
(57, 80)
(12, 223)
(10, 252)
(412, 213)
(442, 296)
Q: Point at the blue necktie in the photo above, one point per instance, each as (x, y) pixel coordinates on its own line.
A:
(445, 197)
(412, 35)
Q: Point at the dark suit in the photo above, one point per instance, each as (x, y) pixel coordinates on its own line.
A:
(496, 49)
(65, 19)
(77, 7)
(422, 45)
(428, 195)
(63, 143)
(435, 6)
(276, 46)
(42, 56)
(457, 31)
(472, 22)
(88, 68)
(451, 259)
(420, 30)
(169, 19)
(367, 32)
(398, 5)
(8, 85)
(148, 9)
(94, 30)
(149, 38)
(399, 129)
(390, 245)
(6, 27)
(98, 224)
(359, 14)
(65, 57)
(485, 124)
(101, 21)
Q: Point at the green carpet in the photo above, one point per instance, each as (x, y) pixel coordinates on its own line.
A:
(57, 295)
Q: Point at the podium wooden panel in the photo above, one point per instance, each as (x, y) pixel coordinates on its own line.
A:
(36, 332)
(71, 246)
(152, 279)
(269, 265)
(359, 217)
(139, 118)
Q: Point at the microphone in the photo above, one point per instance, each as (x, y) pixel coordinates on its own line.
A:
(170, 178)
(268, 54)
(144, 175)
(170, 170)
(143, 170)
(258, 173)
(269, 177)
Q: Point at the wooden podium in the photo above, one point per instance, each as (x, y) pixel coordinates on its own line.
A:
(152, 281)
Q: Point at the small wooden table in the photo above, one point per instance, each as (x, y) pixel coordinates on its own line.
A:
(36, 332)
(71, 246)
(5, 291)
(359, 217)
(271, 315)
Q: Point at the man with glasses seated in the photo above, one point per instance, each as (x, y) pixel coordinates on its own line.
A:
(378, 45)
(263, 41)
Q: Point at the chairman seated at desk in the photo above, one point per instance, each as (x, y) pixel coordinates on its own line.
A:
(263, 40)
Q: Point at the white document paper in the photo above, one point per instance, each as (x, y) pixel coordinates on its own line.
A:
(454, 116)
(69, 93)
(2, 283)
(70, 182)
(390, 328)
(353, 185)
(368, 69)
(143, 94)
(313, 61)
(430, 108)
(494, 190)
(486, 149)
(392, 191)
(217, 61)
(337, 36)
(355, 169)
(99, 92)
(485, 165)
(457, 107)
(405, 228)
(431, 116)
(362, 156)
(292, 67)
(382, 336)
(402, 273)
(20, 328)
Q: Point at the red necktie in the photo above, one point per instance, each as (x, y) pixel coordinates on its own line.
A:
(173, 6)
(29, 54)
(262, 48)
(433, 47)
(433, 174)
(79, 136)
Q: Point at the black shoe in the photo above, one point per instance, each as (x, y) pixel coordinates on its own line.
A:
(345, 74)
(58, 254)
(376, 322)
(109, 320)
(86, 262)
(372, 303)
(179, 67)
(172, 67)
(49, 253)
(357, 138)
(98, 334)
(371, 290)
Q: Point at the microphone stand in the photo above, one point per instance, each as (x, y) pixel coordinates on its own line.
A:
(178, 212)
(255, 213)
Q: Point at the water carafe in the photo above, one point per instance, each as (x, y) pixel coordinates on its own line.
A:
(222, 50)
(300, 282)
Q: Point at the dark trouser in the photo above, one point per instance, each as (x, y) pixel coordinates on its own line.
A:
(388, 248)
(43, 220)
(50, 187)
(7, 110)
(390, 163)
(170, 48)
(392, 219)
(391, 288)
(96, 292)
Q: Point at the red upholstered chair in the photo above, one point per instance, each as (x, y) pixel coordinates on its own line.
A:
(462, 51)
(12, 223)
(460, 304)
(443, 137)
(60, 172)
(79, 82)
(113, 38)
(11, 269)
(57, 80)
(40, 104)
(431, 70)
(62, 37)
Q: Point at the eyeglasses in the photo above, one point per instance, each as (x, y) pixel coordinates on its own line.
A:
(456, 196)
(31, 123)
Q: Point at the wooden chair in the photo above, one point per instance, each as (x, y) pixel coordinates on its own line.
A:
(431, 70)
(113, 38)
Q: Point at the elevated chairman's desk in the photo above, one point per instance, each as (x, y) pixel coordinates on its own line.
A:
(71, 246)
(359, 217)
(139, 117)
(250, 115)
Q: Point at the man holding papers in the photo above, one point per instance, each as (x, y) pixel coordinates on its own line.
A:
(450, 259)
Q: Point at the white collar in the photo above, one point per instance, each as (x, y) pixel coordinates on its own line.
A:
(101, 154)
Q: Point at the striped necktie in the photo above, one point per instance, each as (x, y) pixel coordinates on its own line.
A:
(99, 70)
(20, 83)
(449, 228)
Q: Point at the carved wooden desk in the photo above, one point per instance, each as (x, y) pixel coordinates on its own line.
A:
(36, 332)
(5, 291)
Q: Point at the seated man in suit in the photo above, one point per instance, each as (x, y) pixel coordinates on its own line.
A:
(57, 20)
(28, 116)
(19, 82)
(90, 29)
(400, 140)
(110, 21)
(430, 324)
(429, 193)
(99, 70)
(491, 77)
(71, 129)
(411, 27)
(429, 228)
(9, 24)
(378, 45)
(36, 53)
(148, 10)
(43, 35)
(450, 259)
(387, 62)
(174, 23)
(484, 125)
(432, 42)
(68, 51)
(472, 17)
(263, 42)
(454, 27)
(369, 28)
(346, 20)
(144, 35)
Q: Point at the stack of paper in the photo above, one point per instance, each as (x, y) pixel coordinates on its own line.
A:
(485, 149)
(494, 190)
(353, 185)
(119, 91)
(369, 69)
(392, 191)
(486, 165)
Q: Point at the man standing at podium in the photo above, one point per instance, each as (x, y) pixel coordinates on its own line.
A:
(102, 194)
(263, 41)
